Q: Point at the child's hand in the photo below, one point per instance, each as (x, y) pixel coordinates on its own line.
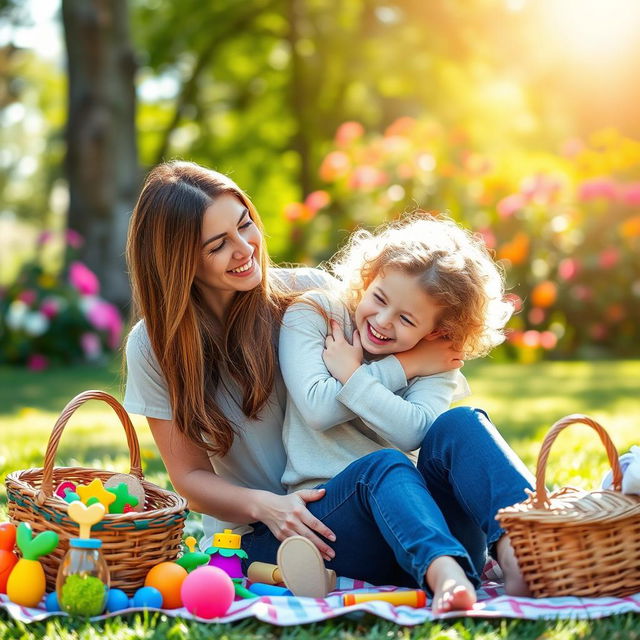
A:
(429, 357)
(340, 357)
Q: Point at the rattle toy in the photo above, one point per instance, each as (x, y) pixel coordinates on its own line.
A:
(83, 577)
(8, 558)
(207, 592)
(192, 558)
(167, 578)
(95, 492)
(134, 488)
(415, 598)
(226, 553)
(26, 584)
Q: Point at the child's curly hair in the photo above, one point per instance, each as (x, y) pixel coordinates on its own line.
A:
(453, 266)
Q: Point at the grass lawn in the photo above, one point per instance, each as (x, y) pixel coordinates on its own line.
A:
(523, 400)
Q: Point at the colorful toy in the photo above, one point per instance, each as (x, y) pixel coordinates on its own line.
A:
(26, 584)
(83, 577)
(95, 492)
(64, 487)
(123, 498)
(134, 487)
(51, 603)
(71, 496)
(226, 553)
(207, 592)
(117, 600)
(192, 558)
(415, 598)
(167, 578)
(262, 589)
(8, 558)
(148, 598)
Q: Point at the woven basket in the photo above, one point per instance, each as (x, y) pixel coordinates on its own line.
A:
(132, 542)
(574, 542)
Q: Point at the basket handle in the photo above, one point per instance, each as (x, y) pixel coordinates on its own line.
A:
(541, 500)
(46, 489)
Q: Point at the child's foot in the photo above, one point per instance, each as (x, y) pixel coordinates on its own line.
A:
(514, 584)
(451, 588)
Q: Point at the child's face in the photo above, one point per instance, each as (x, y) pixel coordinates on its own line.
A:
(395, 314)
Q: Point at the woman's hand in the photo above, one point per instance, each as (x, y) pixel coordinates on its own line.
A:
(430, 356)
(340, 357)
(288, 516)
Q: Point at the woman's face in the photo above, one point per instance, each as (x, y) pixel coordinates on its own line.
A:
(229, 252)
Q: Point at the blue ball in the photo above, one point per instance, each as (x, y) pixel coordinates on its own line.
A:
(147, 597)
(117, 600)
(51, 602)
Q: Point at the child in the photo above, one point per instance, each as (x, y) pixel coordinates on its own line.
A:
(423, 289)
(372, 364)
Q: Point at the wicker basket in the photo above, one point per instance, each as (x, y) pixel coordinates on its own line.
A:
(574, 542)
(132, 542)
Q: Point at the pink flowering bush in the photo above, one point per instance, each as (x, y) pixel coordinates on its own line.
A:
(56, 318)
(565, 225)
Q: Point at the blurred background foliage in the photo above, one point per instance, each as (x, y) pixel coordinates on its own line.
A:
(516, 117)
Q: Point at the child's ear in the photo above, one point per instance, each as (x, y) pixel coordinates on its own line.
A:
(434, 335)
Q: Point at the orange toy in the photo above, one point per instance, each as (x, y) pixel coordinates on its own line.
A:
(8, 558)
(167, 578)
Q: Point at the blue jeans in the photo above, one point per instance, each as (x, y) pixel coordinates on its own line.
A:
(392, 519)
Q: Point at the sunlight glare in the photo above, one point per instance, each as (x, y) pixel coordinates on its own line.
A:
(595, 27)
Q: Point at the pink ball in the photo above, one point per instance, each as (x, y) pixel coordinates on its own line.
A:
(207, 592)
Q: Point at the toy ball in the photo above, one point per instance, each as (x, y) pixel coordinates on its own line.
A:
(117, 600)
(167, 578)
(51, 603)
(207, 592)
(147, 598)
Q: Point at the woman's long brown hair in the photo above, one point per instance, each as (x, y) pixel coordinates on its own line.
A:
(197, 353)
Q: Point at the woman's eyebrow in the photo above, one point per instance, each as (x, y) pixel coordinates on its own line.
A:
(244, 213)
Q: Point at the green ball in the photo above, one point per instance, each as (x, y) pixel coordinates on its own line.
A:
(83, 595)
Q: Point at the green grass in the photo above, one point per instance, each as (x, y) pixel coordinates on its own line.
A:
(523, 400)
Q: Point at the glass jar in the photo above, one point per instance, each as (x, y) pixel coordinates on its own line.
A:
(82, 584)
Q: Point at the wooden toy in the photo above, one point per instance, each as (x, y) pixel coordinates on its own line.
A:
(26, 584)
(83, 577)
(8, 558)
(134, 487)
(95, 489)
(207, 592)
(167, 578)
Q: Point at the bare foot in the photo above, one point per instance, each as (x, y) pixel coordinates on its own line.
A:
(514, 584)
(451, 588)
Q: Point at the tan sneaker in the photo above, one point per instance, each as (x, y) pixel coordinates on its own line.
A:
(302, 568)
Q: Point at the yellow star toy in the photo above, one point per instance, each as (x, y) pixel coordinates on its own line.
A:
(96, 490)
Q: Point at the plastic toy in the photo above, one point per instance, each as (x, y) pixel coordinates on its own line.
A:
(207, 592)
(123, 498)
(26, 584)
(148, 598)
(71, 496)
(192, 558)
(411, 598)
(64, 487)
(167, 578)
(51, 603)
(117, 600)
(95, 489)
(262, 589)
(134, 487)
(226, 553)
(8, 558)
(83, 577)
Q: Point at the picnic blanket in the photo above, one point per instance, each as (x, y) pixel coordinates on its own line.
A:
(289, 610)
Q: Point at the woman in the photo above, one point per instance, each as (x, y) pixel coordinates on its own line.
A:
(202, 367)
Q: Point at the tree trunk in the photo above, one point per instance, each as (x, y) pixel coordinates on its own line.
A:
(102, 158)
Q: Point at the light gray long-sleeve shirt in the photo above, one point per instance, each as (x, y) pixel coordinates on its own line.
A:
(328, 425)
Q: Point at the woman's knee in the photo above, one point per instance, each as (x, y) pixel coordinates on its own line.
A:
(384, 459)
(461, 423)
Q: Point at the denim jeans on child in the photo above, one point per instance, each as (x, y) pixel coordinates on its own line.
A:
(392, 519)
